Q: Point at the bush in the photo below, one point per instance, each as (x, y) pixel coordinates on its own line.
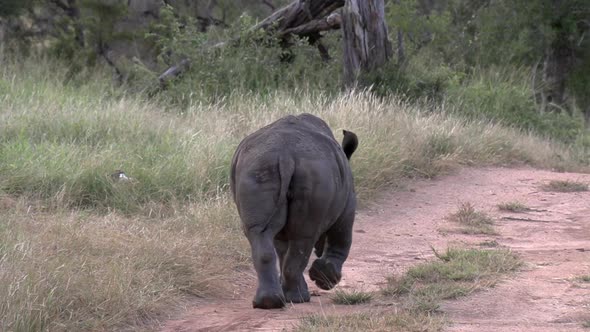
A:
(503, 94)
(237, 61)
(418, 79)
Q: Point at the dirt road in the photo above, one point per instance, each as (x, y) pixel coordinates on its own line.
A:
(399, 230)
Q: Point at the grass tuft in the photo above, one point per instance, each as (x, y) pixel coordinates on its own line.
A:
(351, 297)
(457, 272)
(473, 221)
(565, 186)
(584, 278)
(516, 207)
(373, 321)
(489, 244)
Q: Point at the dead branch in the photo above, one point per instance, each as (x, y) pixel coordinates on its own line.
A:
(173, 71)
(269, 4)
(526, 219)
(332, 22)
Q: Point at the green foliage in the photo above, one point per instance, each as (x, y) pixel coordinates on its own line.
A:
(504, 94)
(477, 57)
(248, 61)
(10, 8)
(579, 80)
(499, 93)
(96, 27)
(415, 80)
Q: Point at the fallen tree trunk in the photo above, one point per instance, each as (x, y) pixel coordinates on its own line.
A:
(299, 13)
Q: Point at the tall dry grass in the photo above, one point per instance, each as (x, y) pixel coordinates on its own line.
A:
(74, 270)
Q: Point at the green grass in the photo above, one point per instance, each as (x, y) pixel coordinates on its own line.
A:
(351, 297)
(473, 221)
(513, 207)
(565, 186)
(456, 273)
(503, 93)
(584, 278)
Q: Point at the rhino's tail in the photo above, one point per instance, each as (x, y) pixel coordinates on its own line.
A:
(349, 143)
(286, 167)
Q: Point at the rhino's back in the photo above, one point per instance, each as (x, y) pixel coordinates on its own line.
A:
(303, 135)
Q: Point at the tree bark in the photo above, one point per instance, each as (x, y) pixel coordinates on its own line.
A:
(556, 68)
(366, 43)
(401, 53)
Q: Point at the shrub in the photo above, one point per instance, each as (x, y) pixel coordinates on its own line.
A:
(238, 61)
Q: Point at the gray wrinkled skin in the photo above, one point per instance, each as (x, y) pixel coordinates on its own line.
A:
(293, 187)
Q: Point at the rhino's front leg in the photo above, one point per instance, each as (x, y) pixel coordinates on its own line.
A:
(269, 294)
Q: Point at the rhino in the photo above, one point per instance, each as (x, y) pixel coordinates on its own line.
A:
(293, 188)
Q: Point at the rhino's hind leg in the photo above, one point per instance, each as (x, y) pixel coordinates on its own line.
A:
(326, 271)
(325, 274)
(319, 245)
(281, 245)
(269, 294)
(293, 282)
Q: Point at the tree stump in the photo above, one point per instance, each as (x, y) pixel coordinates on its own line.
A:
(366, 43)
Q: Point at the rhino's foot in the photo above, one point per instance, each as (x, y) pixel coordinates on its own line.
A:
(325, 274)
(297, 294)
(268, 300)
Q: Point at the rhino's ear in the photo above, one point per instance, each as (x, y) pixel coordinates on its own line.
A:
(349, 143)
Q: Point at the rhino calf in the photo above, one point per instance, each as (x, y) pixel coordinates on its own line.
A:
(293, 188)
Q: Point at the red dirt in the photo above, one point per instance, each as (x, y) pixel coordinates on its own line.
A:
(399, 230)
